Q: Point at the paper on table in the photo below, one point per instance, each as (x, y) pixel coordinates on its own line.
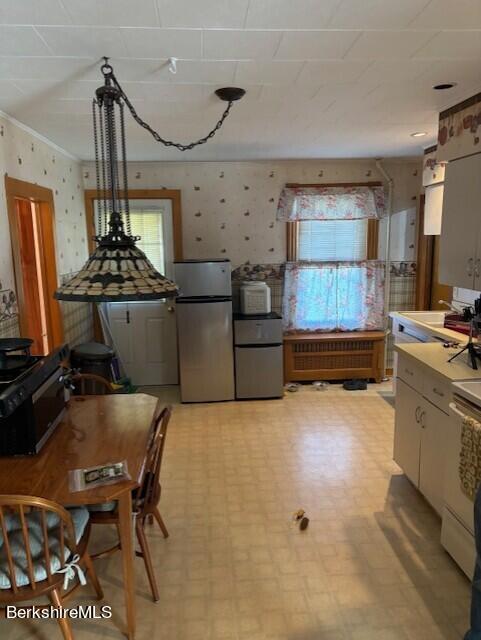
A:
(110, 473)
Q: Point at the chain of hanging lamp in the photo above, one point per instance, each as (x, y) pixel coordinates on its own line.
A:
(118, 270)
(113, 214)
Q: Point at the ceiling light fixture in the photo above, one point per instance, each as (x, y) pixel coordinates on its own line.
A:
(419, 134)
(118, 271)
(444, 85)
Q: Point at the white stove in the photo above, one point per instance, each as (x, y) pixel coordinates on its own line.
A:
(457, 533)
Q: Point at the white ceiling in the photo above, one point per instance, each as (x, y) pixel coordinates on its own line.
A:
(324, 78)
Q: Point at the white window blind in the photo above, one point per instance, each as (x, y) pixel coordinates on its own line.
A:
(148, 225)
(332, 240)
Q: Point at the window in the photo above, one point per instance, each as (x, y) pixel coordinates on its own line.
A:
(332, 281)
(148, 225)
(332, 240)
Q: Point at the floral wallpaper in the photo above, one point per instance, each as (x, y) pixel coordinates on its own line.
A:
(229, 208)
(460, 130)
(26, 156)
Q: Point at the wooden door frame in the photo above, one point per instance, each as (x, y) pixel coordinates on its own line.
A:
(139, 194)
(424, 264)
(43, 197)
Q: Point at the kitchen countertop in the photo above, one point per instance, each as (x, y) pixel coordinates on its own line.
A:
(440, 332)
(434, 356)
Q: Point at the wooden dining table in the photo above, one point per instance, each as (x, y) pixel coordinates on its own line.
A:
(95, 430)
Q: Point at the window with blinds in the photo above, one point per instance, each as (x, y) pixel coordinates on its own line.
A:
(332, 240)
(148, 225)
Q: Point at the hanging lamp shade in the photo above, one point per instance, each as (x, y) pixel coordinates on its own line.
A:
(117, 270)
(120, 273)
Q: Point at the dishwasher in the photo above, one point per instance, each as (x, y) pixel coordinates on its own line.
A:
(258, 356)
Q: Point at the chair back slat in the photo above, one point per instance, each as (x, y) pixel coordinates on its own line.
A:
(26, 542)
(6, 544)
(41, 537)
(148, 493)
(90, 384)
(46, 546)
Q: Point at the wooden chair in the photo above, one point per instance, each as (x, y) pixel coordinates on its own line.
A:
(89, 384)
(39, 542)
(145, 500)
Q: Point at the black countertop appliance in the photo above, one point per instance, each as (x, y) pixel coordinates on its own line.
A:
(32, 396)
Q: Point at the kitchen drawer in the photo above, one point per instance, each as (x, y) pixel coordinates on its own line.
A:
(411, 373)
(438, 391)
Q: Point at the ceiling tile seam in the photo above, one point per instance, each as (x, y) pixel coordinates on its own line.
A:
(66, 11)
(202, 45)
(157, 12)
(425, 44)
(12, 81)
(54, 27)
(125, 46)
(334, 12)
(281, 38)
(420, 12)
(39, 35)
(298, 74)
(246, 14)
(346, 53)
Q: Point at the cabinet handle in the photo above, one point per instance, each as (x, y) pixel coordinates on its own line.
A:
(438, 393)
(469, 266)
(476, 268)
(416, 414)
(409, 372)
(421, 420)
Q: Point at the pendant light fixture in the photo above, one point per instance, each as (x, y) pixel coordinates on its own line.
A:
(117, 270)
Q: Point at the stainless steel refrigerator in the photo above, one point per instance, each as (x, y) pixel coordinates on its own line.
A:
(204, 330)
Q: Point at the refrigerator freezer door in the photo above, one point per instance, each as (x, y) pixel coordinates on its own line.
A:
(201, 279)
(206, 358)
(259, 372)
(258, 331)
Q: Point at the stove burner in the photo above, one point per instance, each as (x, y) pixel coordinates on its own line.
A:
(10, 358)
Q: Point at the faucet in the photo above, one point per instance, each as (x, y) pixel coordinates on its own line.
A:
(450, 306)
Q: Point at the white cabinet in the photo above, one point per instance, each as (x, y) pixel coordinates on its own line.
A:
(460, 244)
(420, 433)
(434, 427)
(407, 431)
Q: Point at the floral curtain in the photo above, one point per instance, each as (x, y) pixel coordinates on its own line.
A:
(330, 203)
(333, 296)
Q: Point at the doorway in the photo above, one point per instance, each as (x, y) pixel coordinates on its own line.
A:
(144, 334)
(32, 230)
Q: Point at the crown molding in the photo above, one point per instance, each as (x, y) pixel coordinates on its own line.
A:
(37, 135)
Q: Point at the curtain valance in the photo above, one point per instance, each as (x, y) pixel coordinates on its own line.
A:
(330, 203)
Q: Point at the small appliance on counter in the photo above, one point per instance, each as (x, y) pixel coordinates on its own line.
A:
(204, 330)
(255, 298)
(32, 396)
(258, 356)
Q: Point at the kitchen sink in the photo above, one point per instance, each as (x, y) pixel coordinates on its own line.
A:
(470, 390)
(432, 318)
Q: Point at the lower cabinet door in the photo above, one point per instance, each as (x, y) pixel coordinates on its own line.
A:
(407, 430)
(259, 371)
(434, 430)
